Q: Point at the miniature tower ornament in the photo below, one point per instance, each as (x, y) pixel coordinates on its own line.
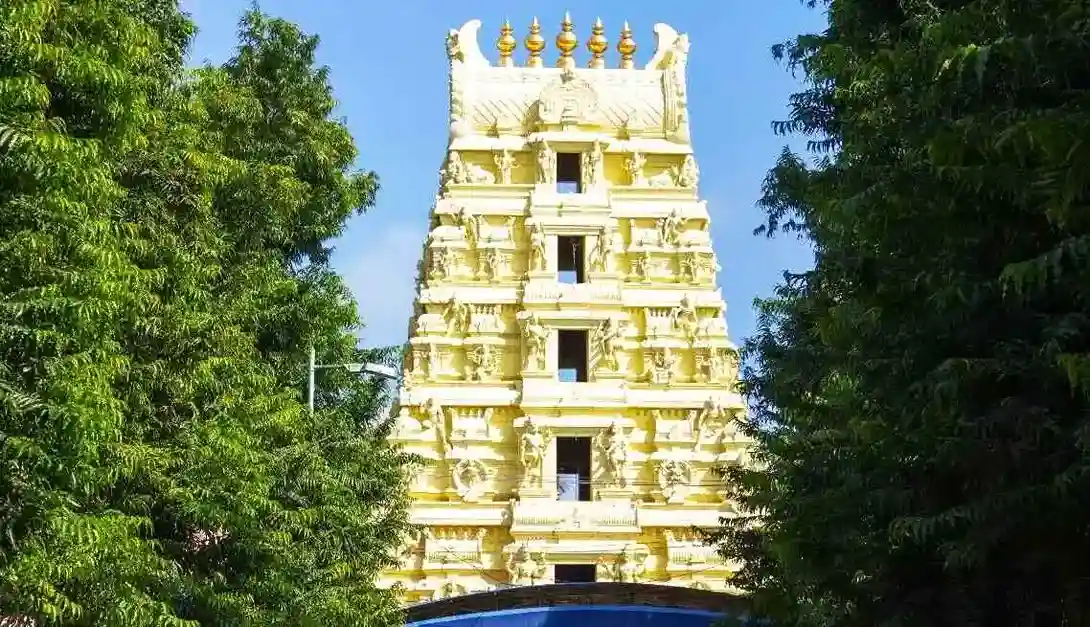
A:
(597, 44)
(535, 45)
(570, 388)
(506, 45)
(566, 43)
(627, 47)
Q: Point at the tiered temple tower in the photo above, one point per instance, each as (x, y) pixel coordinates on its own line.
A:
(569, 381)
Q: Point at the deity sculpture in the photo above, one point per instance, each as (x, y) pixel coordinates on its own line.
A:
(472, 225)
(593, 167)
(674, 477)
(469, 476)
(442, 264)
(436, 418)
(634, 167)
(492, 264)
(538, 248)
(537, 341)
(614, 446)
(524, 567)
(684, 318)
(532, 447)
(457, 315)
(661, 370)
(480, 363)
(688, 174)
(607, 334)
(688, 267)
(641, 266)
(670, 228)
(434, 360)
(546, 163)
(627, 567)
(505, 164)
(707, 265)
(600, 255)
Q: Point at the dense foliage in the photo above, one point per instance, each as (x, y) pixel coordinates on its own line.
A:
(923, 393)
(163, 270)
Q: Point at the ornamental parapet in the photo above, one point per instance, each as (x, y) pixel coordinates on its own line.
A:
(536, 516)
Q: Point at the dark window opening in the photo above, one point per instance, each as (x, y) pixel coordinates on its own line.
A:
(572, 356)
(569, 176)
(570, 259)
(575, 573)
(573, 469)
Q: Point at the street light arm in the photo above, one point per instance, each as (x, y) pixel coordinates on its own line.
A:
(379, 370)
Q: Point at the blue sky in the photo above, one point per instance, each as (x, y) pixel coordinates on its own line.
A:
(388, 69)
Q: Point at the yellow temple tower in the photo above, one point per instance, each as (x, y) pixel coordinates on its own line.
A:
(569, 381)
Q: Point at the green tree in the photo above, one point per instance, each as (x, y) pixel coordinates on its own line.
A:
(921, 399)
(163, 245)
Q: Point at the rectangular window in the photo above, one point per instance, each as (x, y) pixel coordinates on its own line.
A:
(570, 259)
(569, 175)
(573, 468)
(575, 573)
(572, 357)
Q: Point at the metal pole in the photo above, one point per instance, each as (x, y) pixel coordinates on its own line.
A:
(310, 382)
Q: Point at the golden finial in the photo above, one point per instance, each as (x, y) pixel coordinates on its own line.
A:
(535, 44)
(597, 44)
(506, 44)
(627, 47)
(566, 42)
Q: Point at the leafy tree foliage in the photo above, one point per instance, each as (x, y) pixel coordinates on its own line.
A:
(921, 394)
(163, 271)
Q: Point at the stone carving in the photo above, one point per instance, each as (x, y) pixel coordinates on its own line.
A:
(442, 264)
(434, 361)
(675, 58)
(532, 447)
(537, 342)
(462, 47)
(435, 417)
(713, 420)
(664, 178)
(684, 318)
(594, 173)
(606, 336)
(505, 165)
(634, 166)
(661, 370)
(687, 175)
(546, 163)
(448, 589)
(525, 567)
(711, 365)
(627, 567)
(641, 266)
(463, 52)
(458, 171)
(601, 256)
(480, 363)
(471, 225)
(614, 447)
(571, 100)
(469, 477)
(404, 422)
(670, 228)
(457, 315)
(492, 265)
(674, 477)
(538, 248)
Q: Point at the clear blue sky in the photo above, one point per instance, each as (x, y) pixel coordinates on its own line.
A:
(388, 68)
